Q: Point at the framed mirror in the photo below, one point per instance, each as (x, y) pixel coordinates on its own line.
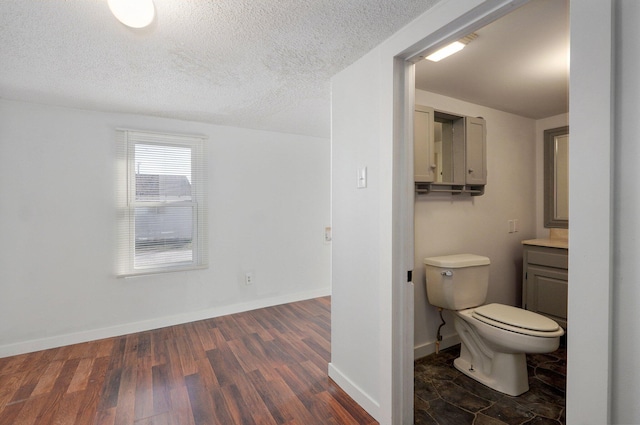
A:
(556, 177)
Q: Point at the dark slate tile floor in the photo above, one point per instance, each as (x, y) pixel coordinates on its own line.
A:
(445, 396)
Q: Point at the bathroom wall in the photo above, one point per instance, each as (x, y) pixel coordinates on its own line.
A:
(269, 200)
(449, 224)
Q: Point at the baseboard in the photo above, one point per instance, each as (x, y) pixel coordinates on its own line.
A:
(428, 348)
(356, 393)
(156, 323)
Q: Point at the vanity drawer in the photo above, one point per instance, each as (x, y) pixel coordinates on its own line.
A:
(549, 257)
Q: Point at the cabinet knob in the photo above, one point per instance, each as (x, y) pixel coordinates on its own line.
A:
(470, 170)
(433, 166)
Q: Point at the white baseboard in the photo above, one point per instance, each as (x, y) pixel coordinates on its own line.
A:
(156, 323)
(356, 393)
(425, 349)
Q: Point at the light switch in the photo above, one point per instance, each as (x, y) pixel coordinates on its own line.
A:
(362, 178)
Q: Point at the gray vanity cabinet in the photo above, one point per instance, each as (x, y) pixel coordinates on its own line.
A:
(545, 281)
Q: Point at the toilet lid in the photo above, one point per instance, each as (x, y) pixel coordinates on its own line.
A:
(517, 319)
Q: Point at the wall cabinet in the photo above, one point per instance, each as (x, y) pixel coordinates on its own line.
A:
(450, 153)
(545, 281)
(424, 162)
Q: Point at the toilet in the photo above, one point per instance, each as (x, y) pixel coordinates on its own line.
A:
(495, 337)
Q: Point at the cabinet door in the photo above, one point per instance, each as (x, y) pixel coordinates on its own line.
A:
(547, 292)
(424, 163)
(476, 150)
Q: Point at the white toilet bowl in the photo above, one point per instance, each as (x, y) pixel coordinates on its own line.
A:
(494, 353)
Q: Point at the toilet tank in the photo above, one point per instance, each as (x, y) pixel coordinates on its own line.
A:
(456, 282)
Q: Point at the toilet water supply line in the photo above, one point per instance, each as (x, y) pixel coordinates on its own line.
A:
(439, 335)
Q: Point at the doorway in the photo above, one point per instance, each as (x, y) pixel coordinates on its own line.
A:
(583, 16)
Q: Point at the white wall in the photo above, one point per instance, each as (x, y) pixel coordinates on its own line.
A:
(269, 199)
(453, 224)
(626, 213)
(355, 271)
(542, 125)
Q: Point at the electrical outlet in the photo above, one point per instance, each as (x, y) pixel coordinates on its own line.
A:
(248, 278)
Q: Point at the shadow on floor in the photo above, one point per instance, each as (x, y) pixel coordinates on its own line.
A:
(444, 396)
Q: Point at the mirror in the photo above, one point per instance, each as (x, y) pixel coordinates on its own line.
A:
(443, 150)
(556, 177)
(448, 148)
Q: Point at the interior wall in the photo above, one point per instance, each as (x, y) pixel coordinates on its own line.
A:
(269, 201)
(542, 125)
(454, 224)
(355, 212)
(626, 211)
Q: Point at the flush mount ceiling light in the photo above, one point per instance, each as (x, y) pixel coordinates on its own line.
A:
(452, 48)
(133, 13)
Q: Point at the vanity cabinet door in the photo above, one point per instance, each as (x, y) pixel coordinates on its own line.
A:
(545, 281)
(547, 292)
(476, 150)
(424, 163)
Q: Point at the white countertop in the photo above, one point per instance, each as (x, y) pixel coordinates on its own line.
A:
(548, 242)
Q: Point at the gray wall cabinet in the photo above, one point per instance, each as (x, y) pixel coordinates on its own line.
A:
(450, 152)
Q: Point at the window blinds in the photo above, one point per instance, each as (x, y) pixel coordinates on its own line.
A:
(162, 223)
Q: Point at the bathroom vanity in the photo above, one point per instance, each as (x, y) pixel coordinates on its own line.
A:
(545, 277)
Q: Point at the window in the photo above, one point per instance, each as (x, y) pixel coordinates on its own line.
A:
(162, 203)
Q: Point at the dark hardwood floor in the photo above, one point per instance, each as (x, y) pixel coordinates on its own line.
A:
(266, 366)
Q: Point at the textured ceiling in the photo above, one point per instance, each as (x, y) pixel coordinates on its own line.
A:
(518, 64)
(263, 64)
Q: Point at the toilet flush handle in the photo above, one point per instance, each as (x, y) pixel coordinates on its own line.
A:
(447, 273)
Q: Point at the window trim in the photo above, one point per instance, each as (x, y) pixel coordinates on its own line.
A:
(126, 202)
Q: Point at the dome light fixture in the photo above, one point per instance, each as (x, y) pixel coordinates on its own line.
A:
(133, 13)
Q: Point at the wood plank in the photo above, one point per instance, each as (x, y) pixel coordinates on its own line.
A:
(161, 389)
(125, 408)
(69, 407)
(82, 375)
(53, 399)
(9, 386)
(91, 394)
(224, 364)
(48, 379)
(200, 400)
(181, 411)
(237, 407)
(144, 389)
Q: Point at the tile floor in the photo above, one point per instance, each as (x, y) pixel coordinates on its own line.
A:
(444, 396)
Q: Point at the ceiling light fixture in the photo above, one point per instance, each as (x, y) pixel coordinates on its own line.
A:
(133, 13)
(452, 48)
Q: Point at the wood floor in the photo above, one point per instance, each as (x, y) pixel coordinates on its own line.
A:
(267, 366)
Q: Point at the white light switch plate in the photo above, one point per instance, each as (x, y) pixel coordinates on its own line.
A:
(362, 177)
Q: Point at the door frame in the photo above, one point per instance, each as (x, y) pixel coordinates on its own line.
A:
(403, 199)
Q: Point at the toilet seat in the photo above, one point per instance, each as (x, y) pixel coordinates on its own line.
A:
(517, 320)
